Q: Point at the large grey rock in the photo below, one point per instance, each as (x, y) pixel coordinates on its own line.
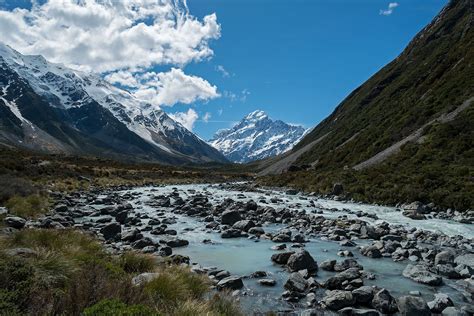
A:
(335, 282)
(336, 300)
(467, 260)
(301, 260)
(371, 251)
(384, 302)
(244, 225)
(440, 302)
(282, 257)
(15, 222)
(231, 283)
(444, 257)
(230, 217)
(177, 242)
(421, 274)
(363, 295)
(111, 231)
(327, 265)
(412, 306)
(296, 283)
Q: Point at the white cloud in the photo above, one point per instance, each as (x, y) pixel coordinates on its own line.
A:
(121, 39)
(391, 7)
(187, 119)
(169, 88)
(223, 71)
(110, 35)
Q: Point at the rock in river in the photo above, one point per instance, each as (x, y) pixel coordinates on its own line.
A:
(301, 260)
(230, 217)
(111, 230)
(231, 282)
(413, 306)
(296, 283)
(336, 300)
(421, 274)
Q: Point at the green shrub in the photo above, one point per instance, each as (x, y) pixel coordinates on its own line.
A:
(29, 206)
(132, 262)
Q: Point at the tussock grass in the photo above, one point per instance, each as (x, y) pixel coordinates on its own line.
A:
(68, 272)
(30, 206)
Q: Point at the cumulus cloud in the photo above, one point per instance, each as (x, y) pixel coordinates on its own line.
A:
(168, 88)
(391, 7)
(109, 35)
(187, 119)
(122, 40)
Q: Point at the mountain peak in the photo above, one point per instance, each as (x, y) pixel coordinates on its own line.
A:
(256, 115)
(255, 137)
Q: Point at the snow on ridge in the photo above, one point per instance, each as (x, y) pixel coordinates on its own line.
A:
(255, 137)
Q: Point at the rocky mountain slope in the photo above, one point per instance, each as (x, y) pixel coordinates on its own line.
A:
(405, 134)
(52, 108)
(255, 137)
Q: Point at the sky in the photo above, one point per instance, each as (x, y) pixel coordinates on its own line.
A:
(210, 62)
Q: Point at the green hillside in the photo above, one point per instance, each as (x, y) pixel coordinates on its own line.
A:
(423, 101)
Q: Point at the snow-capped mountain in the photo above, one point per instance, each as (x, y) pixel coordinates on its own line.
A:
(51, 107)
(255, 137)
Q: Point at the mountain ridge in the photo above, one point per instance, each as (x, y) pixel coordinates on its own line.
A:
(88, 115)
(256, 137)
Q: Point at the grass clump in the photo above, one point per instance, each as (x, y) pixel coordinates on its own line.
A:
(28, 207)
(67, 272)
(136, 263)
(117, 308)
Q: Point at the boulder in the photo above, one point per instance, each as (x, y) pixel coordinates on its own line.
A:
(421, 274)
(230, 283)
(15, 222)
(177, 242)
(467, 260)
(244, 225)
(336, 300)
(444, 257)
(335, 282)
(296, 283)
(440, 302)
(111, 231)
(231, 233)
(267, 282)
(363, 295)
(384, 302)
(301, 260)
(230, 217)
(412, 306)
(371, 251)
(327, 265)
(282, 257)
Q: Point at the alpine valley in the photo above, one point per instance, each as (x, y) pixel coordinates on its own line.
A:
(51, 108)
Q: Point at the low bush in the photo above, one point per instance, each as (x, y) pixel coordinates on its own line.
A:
(28, 207)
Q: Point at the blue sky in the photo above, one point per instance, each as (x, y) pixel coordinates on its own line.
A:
(298, 59)
(294, 59)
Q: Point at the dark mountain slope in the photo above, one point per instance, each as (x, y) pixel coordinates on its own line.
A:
(407, 132)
